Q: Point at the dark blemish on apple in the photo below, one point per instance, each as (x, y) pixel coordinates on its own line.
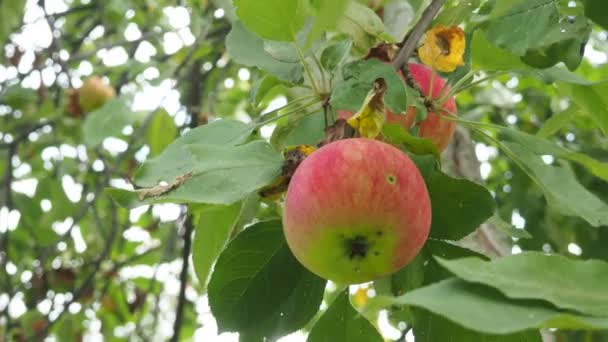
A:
(391, 179)
(376, 253)
(357, 247)
(379, 233)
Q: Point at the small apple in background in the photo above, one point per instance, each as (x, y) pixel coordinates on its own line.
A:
(356, 210)
(433, 127)
(94, 94)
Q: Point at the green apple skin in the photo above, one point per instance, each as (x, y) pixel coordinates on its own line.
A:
(94, 94)
(356, 210)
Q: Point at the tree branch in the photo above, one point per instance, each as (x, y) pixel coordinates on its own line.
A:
(183, 279)
(412, 38)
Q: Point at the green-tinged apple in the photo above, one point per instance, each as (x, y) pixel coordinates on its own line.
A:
(94, 93)
(356, 210)
(433, 127)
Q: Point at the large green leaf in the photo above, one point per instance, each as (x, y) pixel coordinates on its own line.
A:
(248, 49)
(358, 80)
(335, 54)
(486, 56)
(259, 289)
(596, 10)
(483, 309)
(341, 322)
(524, 26)
(542, 146)
(565, 282)
(592, 99)
(433, 328)
(220, 132)
(107, 121)
(272, 19)
(214, 224)
(459, 206)
(362, 25)
(161, 132)
(326, 16)
(211, 173)
(562, 191)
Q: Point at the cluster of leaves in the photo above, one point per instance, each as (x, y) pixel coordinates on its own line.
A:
(311, 52)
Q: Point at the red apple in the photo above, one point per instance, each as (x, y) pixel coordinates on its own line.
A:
(438, 130)
(356, 210)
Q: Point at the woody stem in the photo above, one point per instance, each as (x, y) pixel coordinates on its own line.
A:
(410, 43)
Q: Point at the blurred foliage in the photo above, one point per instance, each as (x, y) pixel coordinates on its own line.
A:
(74, 263)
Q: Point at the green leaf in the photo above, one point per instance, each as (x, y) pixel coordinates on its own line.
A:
(399, 136)
(485, 56)
(562, 191)
(214, 224)
(259, 289)
(17, 97)
(596, 10)
(161, 132)
(591, 99)
(459, 206)
(261, 88)
(326, 15)
(524, 26)
(272, 19)
(557, 122)
(248, 49)
(212, 174)
(508, 228)
(456, 14)
(542, 146)
(308, 131)
(362, 25)
(429, 327)
(335, 54)
(398, 17)
(220, 132)
(358, 79)
(564, 282)
(107, 121)
(12, 14)
(457, 301)
(341, 322)
(307, 127)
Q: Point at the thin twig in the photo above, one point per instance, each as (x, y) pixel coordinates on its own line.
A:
(183, 279)
(411, 40)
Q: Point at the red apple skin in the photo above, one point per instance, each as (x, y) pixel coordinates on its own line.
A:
(433, 127)
(438, 130)
(356, 190)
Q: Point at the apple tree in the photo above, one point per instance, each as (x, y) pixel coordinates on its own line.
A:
(304, 170)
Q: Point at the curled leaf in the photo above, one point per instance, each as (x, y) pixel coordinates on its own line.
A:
(369, 119)
(163, 189)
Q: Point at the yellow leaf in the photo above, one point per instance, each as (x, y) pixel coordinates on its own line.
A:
(443, 48)
(369, 119)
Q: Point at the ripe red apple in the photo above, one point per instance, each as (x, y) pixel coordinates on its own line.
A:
(433, 127)
(438, 130)
(356, 210)
(94, 93)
